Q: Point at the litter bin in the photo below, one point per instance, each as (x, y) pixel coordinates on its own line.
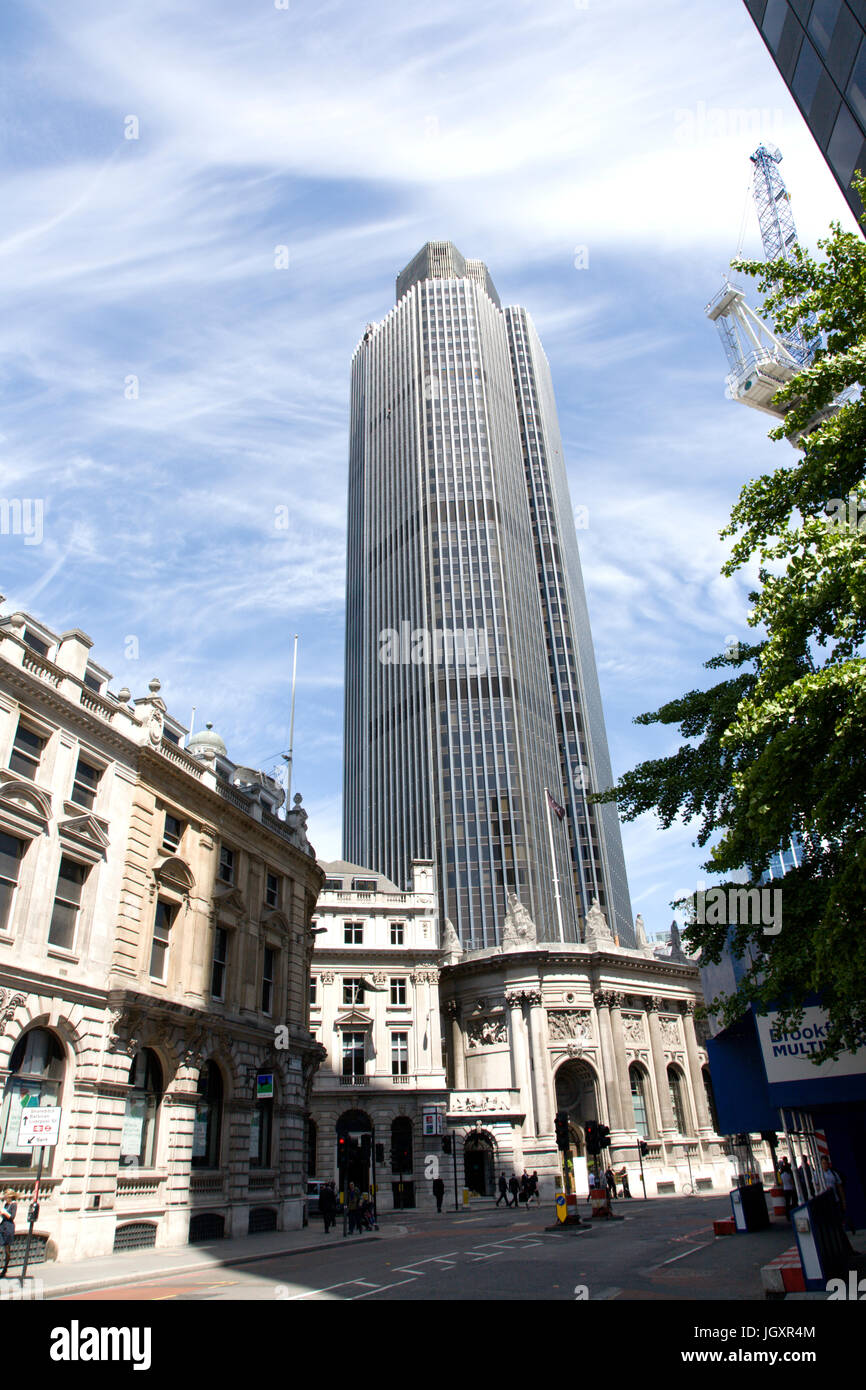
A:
(750, 1208)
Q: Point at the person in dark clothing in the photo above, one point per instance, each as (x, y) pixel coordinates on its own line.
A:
(786, 1179)
(353, 1205)
(328, 1206)
(514, 1189)
(503, 1189)
(525, 1189)
(438, 1192)
(610, 1181)
(8, 1209)
(533, 1189)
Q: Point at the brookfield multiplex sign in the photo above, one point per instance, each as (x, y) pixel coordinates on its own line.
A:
(788, 1056)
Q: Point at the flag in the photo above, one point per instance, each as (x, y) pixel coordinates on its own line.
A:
(555, 807)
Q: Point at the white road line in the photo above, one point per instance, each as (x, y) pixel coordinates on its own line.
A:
(681, 1255)
(384, 1289)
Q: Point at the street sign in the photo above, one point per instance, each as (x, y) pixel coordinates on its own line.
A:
(265, 1085)
(40, 1126)
(561, 1206)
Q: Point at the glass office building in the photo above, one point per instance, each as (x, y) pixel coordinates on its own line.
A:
(471, 685)
(819, 47)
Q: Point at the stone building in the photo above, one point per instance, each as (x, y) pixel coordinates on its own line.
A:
(600, 1031)
(374, 1006)
(154, 963)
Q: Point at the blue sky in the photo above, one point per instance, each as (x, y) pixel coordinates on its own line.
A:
(168, 386)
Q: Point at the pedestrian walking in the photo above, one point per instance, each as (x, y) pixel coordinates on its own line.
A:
(514, 1189)
(806, 1177)
(8, 1210)
(533, 1189)
(438, 1192)
(610, 1182)
(503, 1189)
(623, 1178)
(834, 1180)
(524, 1188)
(328, 1206)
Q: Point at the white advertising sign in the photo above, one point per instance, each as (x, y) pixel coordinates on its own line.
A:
(788, 1056)
(40, 1125)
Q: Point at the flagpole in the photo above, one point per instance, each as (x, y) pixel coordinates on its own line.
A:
(553, 861)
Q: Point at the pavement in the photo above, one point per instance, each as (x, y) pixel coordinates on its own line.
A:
(71, 1277)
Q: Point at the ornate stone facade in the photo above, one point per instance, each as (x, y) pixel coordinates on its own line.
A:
(154, 962)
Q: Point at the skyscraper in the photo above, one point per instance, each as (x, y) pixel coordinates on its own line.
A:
(819, 47)
(471, 687)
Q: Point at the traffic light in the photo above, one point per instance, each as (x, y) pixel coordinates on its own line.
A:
(644, 1148)
(366, 1142)
(592, 1144)
(603, 1137)
(561, 1123)
(446, 1143)
(342, 1148)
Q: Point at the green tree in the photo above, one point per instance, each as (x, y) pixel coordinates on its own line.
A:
(779, 745)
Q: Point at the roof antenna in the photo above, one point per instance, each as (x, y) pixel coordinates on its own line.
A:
(288, 756)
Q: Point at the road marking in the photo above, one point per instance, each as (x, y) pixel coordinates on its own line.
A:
(384, 1289)
(681, 1256)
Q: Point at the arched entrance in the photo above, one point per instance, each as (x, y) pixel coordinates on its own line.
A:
(356, 1127)
(478, 1163)
(577, 1092)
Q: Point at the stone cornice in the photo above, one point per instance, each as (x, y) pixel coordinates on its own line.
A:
(630, 964)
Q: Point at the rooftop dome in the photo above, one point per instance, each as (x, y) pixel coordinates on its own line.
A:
(207, 742)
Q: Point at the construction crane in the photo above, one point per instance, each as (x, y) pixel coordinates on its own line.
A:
(761, 361)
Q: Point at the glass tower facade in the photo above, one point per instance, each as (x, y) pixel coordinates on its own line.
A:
(819, 47)
(471, 685)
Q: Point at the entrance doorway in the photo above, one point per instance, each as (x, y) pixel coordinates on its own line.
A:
(478, 1163)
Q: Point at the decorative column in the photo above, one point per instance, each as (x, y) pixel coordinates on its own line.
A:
(657, 1051)
(520, 1056)
(601, 999)
(541, 1064)
(699, 1099)
(458, 1060)
(616, 1002)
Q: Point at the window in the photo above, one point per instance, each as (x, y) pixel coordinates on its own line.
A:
(272, 890)
(268, 971)
(92, 682)
(172, 832)
(261, 1131)
(398, 991)
(857, 85)
(396, 933)
(313, 988)
(312, 1147)
(208, 1118)
(844, 146)
(823, 21)
(364, 885)
(678, 1105)
(220, 960)
(165, 914)
(353, 933)
(353, 1054)
(774, 20)
(35, 643)
(332, 885)
(227, 865)
(711, 1098)
(36, 1070)
(399, 1054)
(353, 990)
(26, 752)
(638, 1100)
(67, 903)
(86, 782)
(138, 1136)
(807, 75)
(11, 854)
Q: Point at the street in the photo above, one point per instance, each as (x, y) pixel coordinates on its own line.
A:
(660, 1250)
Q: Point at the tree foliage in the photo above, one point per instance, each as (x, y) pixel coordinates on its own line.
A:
(779, 746)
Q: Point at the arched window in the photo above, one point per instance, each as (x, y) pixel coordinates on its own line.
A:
(312, 1148)
(711, 1098)
(678, 1099)
(208, 1118)
(638, 1100)
(401, 1145)
(36, 1070)
(138, 1137)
